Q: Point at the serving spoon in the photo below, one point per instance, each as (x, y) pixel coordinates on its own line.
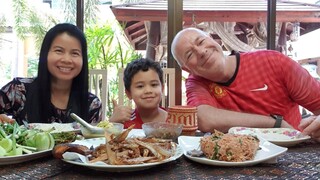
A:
(87, 126)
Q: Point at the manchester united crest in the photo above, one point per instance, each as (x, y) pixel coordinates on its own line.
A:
(217, 91)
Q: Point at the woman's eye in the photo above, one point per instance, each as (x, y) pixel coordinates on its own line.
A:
(58, 51)
(75, 54)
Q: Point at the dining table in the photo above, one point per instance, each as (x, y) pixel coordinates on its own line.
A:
(301, 161)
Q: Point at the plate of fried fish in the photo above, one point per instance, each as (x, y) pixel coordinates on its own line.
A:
(123, 153)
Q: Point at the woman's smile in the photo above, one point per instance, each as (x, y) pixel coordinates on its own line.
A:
(65, 69)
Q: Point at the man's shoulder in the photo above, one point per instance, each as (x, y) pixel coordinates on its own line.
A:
(195, 83)
(195, 77)
(262, 52)
(261, 57)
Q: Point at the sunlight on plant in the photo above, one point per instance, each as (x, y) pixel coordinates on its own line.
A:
(108, 47)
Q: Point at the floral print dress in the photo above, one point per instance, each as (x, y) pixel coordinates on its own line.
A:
(13, 101)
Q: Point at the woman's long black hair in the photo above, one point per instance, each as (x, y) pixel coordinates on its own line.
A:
(38, 98)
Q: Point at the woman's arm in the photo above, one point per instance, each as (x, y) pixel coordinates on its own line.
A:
(5, 119)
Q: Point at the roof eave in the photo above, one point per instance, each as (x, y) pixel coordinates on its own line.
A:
(219, 16)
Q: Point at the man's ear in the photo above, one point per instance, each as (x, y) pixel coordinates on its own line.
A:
(128, 94)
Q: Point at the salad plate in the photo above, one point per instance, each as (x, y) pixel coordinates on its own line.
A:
(280, 136)
(267, 152)
(23, 158)
(57, 127)
(94, 142)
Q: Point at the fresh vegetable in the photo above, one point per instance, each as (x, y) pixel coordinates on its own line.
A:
(64, 137)
(6, 144)
(2, 151)
(16, 140)
(104, 124)
(43, 141)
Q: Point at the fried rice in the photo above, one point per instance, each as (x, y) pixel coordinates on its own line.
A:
(229, 147)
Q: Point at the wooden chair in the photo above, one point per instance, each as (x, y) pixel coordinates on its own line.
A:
(168, 96)
(98, 86)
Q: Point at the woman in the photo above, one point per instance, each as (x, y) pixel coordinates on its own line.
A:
(61, 86)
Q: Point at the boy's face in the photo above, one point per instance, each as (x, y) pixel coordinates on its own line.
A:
(146, 89)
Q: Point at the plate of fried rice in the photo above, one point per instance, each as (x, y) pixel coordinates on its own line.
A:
(230, 150)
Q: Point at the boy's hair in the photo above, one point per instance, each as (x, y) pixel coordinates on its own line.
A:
(137, 65)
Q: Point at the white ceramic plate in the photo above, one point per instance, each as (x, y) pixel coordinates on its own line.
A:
(268, 151)
(23, 158)
(280, 136)
(118, 168)
(58, 127)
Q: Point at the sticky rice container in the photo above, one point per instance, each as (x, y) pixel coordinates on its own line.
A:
(186, 115)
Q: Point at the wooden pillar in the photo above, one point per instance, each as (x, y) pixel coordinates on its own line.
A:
(153, 39)
(175, 16)
(271, 37)
(80, 14)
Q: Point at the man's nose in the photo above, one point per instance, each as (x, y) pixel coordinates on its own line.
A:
(201, 52)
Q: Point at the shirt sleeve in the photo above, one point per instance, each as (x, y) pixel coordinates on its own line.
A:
(95, 109)
(302, 87)
(198, 92)
(12, 97)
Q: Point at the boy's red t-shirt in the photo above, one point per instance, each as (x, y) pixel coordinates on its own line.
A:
(136, 120)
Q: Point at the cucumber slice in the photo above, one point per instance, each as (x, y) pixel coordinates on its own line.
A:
(15, 152)
(2, 152)
(6, 144)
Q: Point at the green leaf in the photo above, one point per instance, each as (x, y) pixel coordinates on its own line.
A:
(2, 133)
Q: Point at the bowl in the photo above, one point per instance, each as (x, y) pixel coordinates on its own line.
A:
(162, 130)
(115, 129)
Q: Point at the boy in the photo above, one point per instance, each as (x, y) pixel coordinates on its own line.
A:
(144, 85)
